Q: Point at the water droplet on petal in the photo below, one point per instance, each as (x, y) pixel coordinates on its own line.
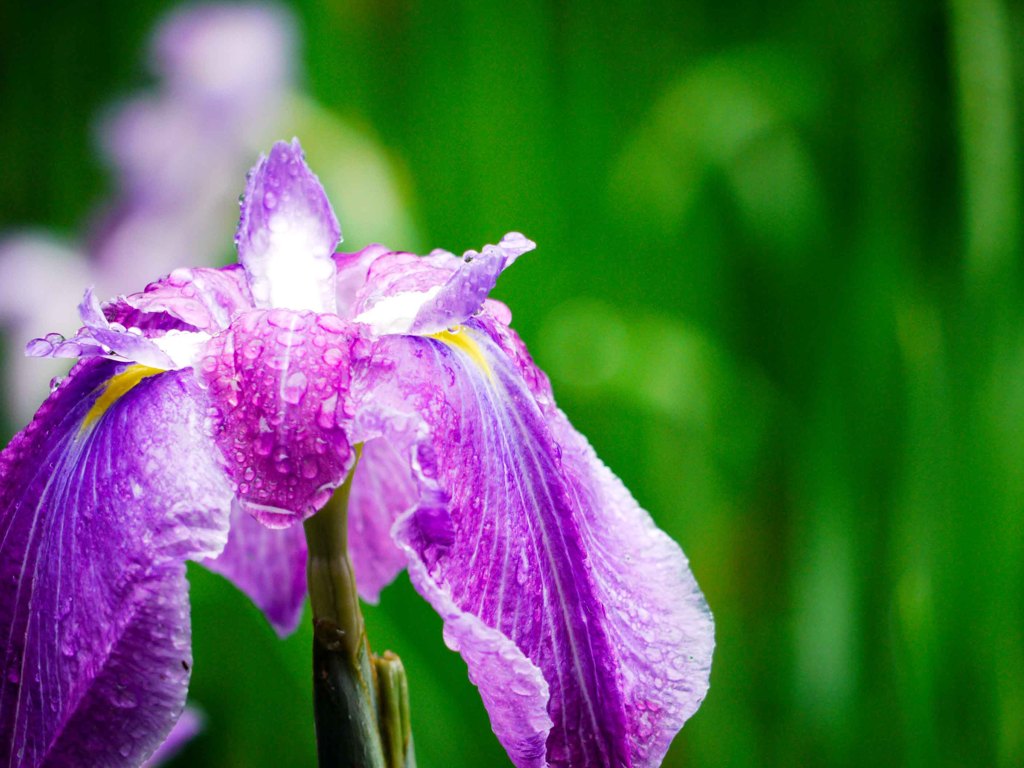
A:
(295, 388)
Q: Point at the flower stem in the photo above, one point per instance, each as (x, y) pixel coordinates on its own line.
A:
(359, 722)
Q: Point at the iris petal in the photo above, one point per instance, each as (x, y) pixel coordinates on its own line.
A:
(95, 522)
(520, 534)
(201, 299)
(382, 490)
(278, 385)
(269, 566)
(404, 293)
(287, 233)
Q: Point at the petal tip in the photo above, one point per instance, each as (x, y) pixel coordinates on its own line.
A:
(287, 231)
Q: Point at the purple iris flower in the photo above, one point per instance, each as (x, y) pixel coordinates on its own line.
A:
(214, 410)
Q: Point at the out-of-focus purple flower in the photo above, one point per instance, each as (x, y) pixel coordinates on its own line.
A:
(234, 398)
(226, 83)
(226, 72)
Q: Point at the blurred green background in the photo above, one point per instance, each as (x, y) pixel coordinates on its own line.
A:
(778, 285)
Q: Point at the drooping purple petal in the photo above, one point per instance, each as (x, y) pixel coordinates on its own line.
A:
(404, 293)
(665, 631)
(287, 233)
(267, 565)
(382, 489)
(139, 690)
(102, 498)
(278, 382)
(658, 619)
(512, 687)
(520, 530)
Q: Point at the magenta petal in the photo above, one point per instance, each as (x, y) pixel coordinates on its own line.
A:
(383, 488)
(520, 528)
(120, 341)
(267, 565)
(278, 383)
(287, 233)
(513, 688)
(202, 299)
(425, 294)
(464, 292)
(99, 506)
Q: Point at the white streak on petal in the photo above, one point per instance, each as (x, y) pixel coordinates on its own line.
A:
(395, 314)
(182, 347)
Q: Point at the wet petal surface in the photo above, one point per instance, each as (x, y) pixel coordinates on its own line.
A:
(278, 384)
(404, 293)
(102, 498)
(536, 557)
(287, 234)
(200, 299)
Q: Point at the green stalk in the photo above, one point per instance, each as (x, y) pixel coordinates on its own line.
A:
(356, 721)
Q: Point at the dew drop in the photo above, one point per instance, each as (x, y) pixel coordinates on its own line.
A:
(295, 388)
(333, 356)
(265, 444)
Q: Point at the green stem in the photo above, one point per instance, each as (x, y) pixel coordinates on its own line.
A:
(360, 702)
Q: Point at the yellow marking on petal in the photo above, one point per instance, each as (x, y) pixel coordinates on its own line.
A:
(460, 338)
(116, 388)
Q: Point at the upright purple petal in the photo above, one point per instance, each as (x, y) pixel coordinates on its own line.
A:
(102, 497)
(287, 233)
(521, 534)
(164, 326)
(278, 382)
(404, 293)
(267, 565)
(464, 292)
(352, 270)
